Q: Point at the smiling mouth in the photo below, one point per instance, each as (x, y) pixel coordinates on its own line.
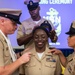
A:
(40, 43)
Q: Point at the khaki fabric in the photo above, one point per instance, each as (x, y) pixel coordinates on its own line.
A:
(48, 65)
(70, 68)
(5, 58)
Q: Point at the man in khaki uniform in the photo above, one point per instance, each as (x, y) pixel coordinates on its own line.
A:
(24, 35)
(9, 18)
(41, 62)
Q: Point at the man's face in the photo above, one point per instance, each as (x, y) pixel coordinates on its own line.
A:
(35, 13)
(10, 26)
(40, 38)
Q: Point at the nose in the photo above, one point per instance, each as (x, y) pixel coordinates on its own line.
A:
(39, 38)
(31, 11)
(68, 38)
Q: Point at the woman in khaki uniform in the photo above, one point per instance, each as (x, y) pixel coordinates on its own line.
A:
(41, 62)
(69, 62)
(9, 18)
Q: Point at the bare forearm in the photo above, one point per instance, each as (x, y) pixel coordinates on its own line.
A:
(63, 59)
(24, 40)
(9, 69)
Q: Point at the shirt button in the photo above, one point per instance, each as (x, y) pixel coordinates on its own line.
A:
(39, 68)
(7, 48)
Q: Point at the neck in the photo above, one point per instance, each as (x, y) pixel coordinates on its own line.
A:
(36, 19)
(3, 32)
(40, 50)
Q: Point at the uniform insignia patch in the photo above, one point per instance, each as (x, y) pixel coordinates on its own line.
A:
(50, 58)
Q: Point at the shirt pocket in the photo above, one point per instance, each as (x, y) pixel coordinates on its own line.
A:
(31, 64)
(50, 64)
(6, 51)
(29, 68)
(50, 68)
(28, 30)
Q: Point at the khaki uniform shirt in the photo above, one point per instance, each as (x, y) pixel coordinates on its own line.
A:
(70, 69)
(48, 65)
(5, 57)
(27, 27)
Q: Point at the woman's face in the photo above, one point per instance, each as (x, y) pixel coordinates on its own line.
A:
(40, 38)
(71, 41)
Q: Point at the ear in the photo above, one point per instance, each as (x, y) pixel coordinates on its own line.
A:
(2, 21)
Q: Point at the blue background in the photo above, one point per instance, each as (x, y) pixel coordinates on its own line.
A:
(66, 12)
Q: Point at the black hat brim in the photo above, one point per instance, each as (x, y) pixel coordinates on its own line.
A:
(11, 17)
(70, 33)
(18, 22)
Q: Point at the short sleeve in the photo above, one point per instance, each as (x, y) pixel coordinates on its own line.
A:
(1, 54)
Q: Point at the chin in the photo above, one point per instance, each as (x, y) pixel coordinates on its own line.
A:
(70, 46)
(11, 33)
